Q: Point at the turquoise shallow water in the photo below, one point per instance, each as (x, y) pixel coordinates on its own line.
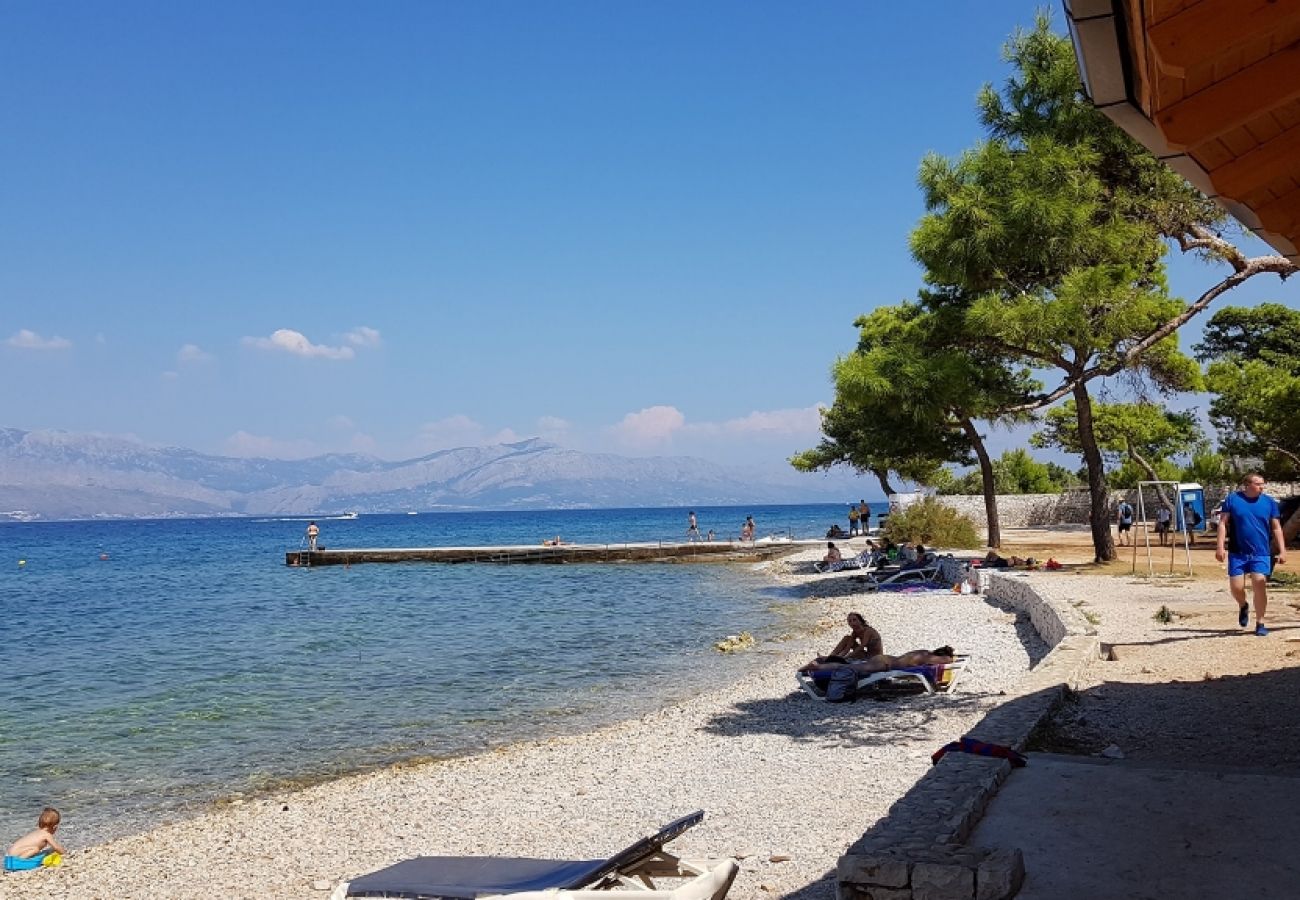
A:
(193, 664)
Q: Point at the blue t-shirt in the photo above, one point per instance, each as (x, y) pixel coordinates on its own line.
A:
(1250, 524)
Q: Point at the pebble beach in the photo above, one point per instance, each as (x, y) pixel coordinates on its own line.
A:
(787, 783)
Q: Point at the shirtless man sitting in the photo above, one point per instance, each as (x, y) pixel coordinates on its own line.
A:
(861, 643)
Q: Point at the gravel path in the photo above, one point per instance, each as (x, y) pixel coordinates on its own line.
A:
(787, 783)
(1194, 689)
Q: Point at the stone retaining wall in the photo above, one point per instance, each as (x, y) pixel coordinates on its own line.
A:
(1071, 507)
(916, 851)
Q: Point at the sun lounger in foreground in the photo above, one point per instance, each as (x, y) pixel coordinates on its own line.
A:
(633, 869)
(937, 679)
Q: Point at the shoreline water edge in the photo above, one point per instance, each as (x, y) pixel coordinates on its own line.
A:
(787, 783)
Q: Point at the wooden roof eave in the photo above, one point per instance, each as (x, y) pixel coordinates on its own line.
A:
(1113, 79)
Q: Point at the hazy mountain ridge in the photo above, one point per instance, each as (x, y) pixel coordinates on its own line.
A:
(64, 475)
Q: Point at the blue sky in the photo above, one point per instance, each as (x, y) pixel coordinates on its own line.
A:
(644, 228)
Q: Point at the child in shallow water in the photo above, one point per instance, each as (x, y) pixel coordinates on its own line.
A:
(36, 848)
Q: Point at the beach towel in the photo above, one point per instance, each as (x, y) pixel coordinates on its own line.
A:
(935, 674)
(979, 748)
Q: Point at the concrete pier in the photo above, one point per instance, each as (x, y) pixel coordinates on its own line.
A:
(698, 551)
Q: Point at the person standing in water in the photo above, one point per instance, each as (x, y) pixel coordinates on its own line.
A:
(692, 528)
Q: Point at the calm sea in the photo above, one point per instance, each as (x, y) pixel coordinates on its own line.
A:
(191, 664)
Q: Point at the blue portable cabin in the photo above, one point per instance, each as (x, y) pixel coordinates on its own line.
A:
(1191, 495)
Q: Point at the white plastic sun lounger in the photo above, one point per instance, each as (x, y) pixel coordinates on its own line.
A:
(862, 561)
(938, 679)
(634, 869)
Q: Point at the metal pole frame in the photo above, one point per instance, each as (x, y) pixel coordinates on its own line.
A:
(1146, 531)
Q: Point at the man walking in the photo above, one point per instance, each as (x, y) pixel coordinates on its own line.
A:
(1249, 523)
(1124, 521)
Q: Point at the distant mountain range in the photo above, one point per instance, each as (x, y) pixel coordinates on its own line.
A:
(62, 475)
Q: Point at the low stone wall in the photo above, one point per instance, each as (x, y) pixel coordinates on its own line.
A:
(1072, 507)
(916, 852)
(1024, 510)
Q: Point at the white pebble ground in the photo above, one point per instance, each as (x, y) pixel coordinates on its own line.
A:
(787, 782)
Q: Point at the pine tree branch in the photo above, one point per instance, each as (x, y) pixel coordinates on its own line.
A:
(1244, 268)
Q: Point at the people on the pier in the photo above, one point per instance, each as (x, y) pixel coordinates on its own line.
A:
(554, 542)
(692, 527)
(313, 532)
(747, 530)
(36, 848)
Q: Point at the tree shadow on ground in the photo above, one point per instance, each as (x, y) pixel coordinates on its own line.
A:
(868, 722)
(1196, 634)
(1250, 720)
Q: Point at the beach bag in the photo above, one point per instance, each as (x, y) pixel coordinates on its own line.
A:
(842, 686)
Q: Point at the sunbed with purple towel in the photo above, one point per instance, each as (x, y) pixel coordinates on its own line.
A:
(940, 678)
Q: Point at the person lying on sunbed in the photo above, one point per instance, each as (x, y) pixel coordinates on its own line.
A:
(862, 642)
(886, 663)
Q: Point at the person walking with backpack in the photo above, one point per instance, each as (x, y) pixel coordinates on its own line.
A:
(1249, 524)
(1124, 521)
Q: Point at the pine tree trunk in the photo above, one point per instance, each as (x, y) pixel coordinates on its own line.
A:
(1103, 543)
(986, 476)
(883, 477)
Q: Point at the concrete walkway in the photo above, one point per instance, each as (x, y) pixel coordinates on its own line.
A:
(1120, 829)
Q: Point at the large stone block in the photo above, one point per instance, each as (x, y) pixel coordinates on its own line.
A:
(884, 893)
(877, 869)
(942, 881)
(1000, 875)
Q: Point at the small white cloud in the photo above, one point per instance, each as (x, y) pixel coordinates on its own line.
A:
(244, 444)
(652, 425)
(192, 353)
(458, 431)
(340, 422)
(289, 341)
(169, 375)
(363, 443)
(553, 427)
(363, 336)
(773, 423)
(100, 339)
(30, 340)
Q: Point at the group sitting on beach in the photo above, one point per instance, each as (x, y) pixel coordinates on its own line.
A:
(940, 656)
(863, 649)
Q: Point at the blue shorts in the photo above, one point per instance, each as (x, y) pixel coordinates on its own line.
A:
(25, 863)
(1241, 563)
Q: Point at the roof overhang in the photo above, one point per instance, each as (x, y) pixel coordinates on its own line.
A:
(1212, 88)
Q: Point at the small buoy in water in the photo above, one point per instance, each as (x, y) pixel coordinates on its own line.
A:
(103, 556)
(22, 562)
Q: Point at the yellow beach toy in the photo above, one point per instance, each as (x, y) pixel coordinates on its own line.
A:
(52, 859)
